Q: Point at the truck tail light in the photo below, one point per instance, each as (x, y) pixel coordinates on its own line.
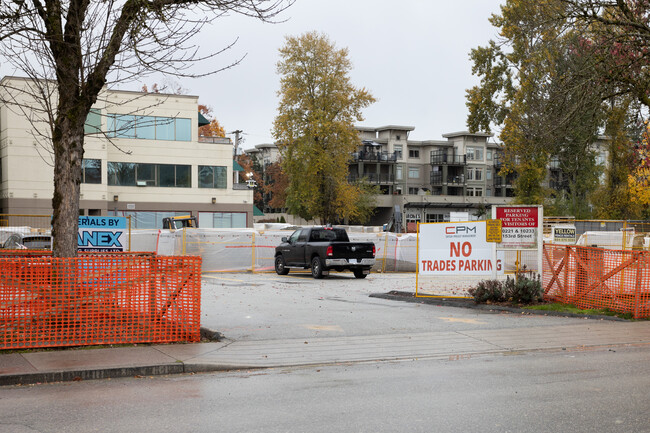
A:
(330, 251)
(373, 251)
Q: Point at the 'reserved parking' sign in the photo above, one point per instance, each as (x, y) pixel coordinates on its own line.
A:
(102, 234)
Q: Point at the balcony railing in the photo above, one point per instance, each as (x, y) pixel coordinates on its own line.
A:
(374, 156)
(443, 158)
(373, 178)
(500, 182)
(437, 180)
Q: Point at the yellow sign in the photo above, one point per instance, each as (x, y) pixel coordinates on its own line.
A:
(493, 231)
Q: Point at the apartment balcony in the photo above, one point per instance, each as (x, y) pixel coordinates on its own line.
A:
(500, 182)
(443, 158)
(438, 180)
(366, 156)
(378, 178)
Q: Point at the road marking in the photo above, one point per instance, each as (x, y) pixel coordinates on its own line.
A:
(457, 320)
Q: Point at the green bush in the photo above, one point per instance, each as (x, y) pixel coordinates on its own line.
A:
(523, 290)
(487, 291)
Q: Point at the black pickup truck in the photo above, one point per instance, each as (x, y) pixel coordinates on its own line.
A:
(323, 249)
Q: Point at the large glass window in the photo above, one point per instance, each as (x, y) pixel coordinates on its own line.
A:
(475, 153)
(146, 127)
(414, 153)
(398, 172)
(91, 171)
(222, 220)
(165, 129)
(213, 176)
(414, 172)
(398, 150)
(163, 175)
(149, 127)
(183, 130)
(93, 123)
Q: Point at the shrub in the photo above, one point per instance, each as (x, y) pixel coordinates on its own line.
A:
(524, 291)
(488, 291)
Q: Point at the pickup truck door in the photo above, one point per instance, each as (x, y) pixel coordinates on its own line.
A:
(295, 254)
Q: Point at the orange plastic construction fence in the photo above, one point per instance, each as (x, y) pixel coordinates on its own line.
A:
(617, 280)
(98, 299)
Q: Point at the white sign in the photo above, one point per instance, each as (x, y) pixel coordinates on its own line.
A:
(456, 248)
(564, 234)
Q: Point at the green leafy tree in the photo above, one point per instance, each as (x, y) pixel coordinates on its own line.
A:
(536, 85)
(315, 131)
(75, 48)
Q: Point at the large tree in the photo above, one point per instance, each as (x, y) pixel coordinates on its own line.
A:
(74, 48)
(537, 85)
(315, 130)
(617, 34)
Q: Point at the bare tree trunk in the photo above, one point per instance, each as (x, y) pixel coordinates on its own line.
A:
(68, 149)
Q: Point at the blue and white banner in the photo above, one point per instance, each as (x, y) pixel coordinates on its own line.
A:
(102, 234)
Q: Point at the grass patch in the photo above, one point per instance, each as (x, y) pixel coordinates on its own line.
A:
(567, 308)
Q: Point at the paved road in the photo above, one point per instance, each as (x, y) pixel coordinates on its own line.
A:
(267, 306)
(599, 390)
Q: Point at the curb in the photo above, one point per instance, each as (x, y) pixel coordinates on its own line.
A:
(102, 373)
(469, 303)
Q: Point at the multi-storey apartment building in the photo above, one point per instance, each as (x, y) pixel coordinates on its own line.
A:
(143, 157)
(424, 181)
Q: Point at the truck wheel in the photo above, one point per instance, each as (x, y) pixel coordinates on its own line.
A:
(316, 267)
(358, 273)
(280, 267)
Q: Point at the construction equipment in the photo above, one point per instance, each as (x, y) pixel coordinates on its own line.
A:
(180, 222)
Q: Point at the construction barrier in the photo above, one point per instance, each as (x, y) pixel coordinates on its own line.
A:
(598, 278)
(98, 299)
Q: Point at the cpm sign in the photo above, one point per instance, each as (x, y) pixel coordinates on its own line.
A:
(102, 234)
(456, 248)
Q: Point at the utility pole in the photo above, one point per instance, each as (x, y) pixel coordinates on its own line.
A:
(237, 132)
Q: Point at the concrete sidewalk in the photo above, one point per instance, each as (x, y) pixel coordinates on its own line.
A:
(80, 364)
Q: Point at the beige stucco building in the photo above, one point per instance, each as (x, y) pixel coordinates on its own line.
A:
(143, 157)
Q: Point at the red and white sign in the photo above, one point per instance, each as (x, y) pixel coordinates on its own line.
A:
(455, 248)
(519, 226)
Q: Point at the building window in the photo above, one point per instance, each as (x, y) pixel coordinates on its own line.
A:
(488, 192)
(136, 174)
(413, 191)
(414, 172)
(435, 218)
(478, 192)
(478, 174)
(414, 153)
(397, 137)
(222, 220)
(488, 155)
(470, 174)
(91, 171)
(398, 151)
(488, 174)
(211, 176)
(93, 123)
(475, 154)
(149, 127)
(398, 172)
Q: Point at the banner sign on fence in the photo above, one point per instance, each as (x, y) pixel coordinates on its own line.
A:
(456, 248)
(565, 235)
(520, 226)
(102, 234)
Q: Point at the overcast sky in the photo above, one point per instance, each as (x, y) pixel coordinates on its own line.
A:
(412, 55)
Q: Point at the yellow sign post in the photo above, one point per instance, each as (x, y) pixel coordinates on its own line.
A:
(493, 231)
